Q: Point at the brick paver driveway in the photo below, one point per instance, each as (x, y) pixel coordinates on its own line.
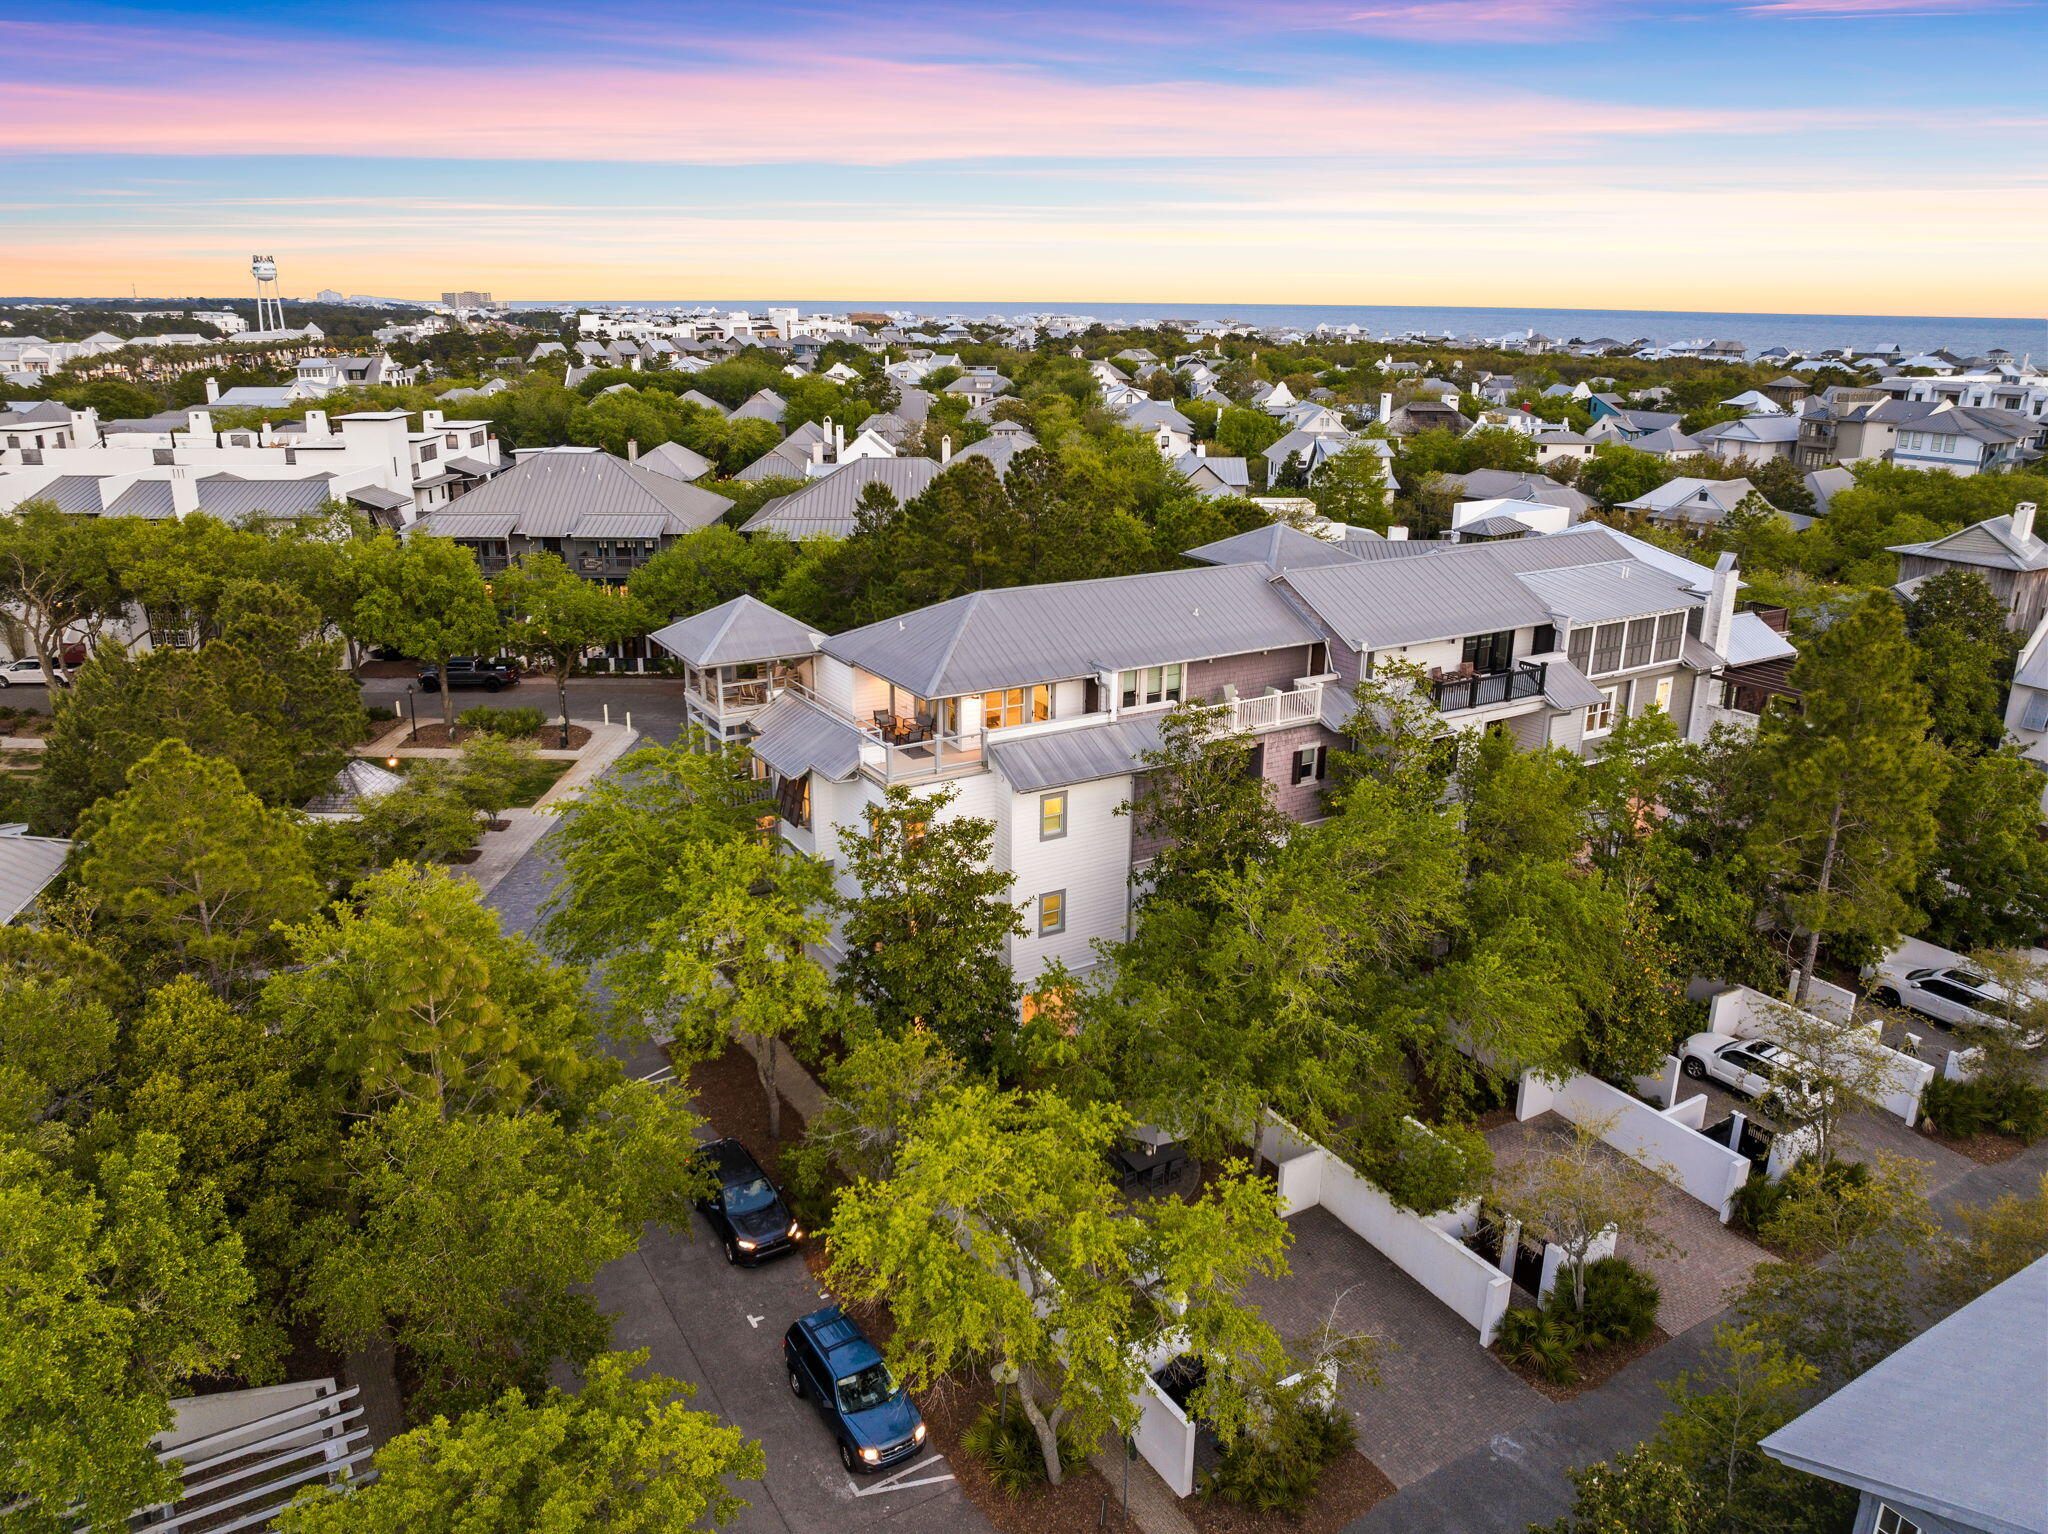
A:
(1708, 1259)
(1440, 1394)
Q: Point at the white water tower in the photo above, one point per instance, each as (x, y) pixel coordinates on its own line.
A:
(269, 307)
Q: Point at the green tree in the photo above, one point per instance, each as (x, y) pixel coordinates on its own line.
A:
(1852, 783)
(700, 570)
(1351, 487)
(188, 869)
(621, 1454)
(617, 842)
(1576, 1195)
(112, 1297)
(430, 816)
(558, 616)
(319, 710)
(1204, 802)
(1998, 1239)
(58, 1027)
(925, 935)
(1963, 655)
(470, 1236)
(423, 596)
(1748, 1389)
(413, 994)
(1617, 473)
(735, 952)
(59, 574)
(1001, 1241)
(1636, 1493)
(1985, 885)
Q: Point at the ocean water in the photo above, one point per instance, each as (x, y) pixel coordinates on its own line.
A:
(1801, 332)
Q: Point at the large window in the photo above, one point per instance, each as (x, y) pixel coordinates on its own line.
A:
(1154, 684)
(1599, 649)
(1052, 912)
(1488, 653)
(999, 710)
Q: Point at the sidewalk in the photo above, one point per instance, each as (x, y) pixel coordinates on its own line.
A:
(499, 852)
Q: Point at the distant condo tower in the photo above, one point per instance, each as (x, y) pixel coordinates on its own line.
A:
(269, 307)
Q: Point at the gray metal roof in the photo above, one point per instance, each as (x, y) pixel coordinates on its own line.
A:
(1026, 634)
(743, 629)
(1508, 485)
(1278, 547)
(231, 498)
(548, 493)
(379, 497)
(1457, 591)
(1062, 757)
(149, 498)
(826, 506)
(795, 736)
(1990, 543)
(1599, 593)
(1955, 1422)
(610, 524)
(1566, 686)
(359, 779)
(1751, 640)
(455, 524)
(27, 865)
(676, 461)
(76, 494)
(763, 405)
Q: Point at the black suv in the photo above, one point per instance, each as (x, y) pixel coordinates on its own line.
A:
(830, 1361)
(471, 671)
(747, 1212)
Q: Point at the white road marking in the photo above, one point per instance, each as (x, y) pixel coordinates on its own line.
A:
(896, 1482)
(755, 1321)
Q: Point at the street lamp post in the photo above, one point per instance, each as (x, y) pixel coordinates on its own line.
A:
(412, 710)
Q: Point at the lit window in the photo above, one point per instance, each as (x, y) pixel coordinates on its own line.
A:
(1663, 698)
(1052, 912)
(1600, 717)
(1002, 709)
(1052, 817)
(1891, 1521)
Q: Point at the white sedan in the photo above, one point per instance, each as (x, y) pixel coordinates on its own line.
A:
(1749, 1066)
(25, 673)
(1954, 994)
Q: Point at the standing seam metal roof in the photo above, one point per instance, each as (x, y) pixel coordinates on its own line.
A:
(1458, 591)
(744, 629)
(549, 493)
(1599, 593)
(1076, 756)
(794, 736)
(1022, 635)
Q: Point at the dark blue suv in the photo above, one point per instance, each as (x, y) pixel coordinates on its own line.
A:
(747, 1213)
(831, 1361)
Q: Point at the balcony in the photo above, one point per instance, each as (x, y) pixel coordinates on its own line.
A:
(904, 749)
(1453, 694)
(1273, 710)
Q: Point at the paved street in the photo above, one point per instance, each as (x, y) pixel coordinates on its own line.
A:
(720, 1327)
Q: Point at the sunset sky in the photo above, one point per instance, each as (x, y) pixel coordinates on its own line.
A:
(1835, 156)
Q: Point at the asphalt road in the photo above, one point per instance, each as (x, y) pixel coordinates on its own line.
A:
(720, 1327)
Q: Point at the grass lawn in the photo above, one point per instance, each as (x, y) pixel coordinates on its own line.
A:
(538, 777)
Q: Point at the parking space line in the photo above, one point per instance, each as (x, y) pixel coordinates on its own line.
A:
(896, 1481)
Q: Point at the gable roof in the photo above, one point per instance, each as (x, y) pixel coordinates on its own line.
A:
(1955, 1422)
(1020, 635)
(676, 461)
(763, 405)
(1383, 603)
(1990, 543)
(549, 494)
(825, 507)
(28, 865)
(1063, 757)
(743, 629)
(1278, 547)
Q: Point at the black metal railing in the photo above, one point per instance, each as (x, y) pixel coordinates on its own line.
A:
(1460, 692)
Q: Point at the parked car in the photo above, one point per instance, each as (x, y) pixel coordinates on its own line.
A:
(1952, 995)
(27, 673)
(1752, 1067)
(471, 671)
(831, 1362)
(747, 1213)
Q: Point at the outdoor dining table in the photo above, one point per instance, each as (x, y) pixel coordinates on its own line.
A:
(1148, 1163)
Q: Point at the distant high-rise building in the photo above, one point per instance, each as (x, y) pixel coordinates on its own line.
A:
(327, 296)
(466, 300)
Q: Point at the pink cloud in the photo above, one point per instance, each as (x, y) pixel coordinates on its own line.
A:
(850, 109)
(1848, 9)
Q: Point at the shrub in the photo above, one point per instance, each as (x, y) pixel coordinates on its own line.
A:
(1278, 1469)
(511, 723)
(1621, 1304)
(2000, 1106)
(1758, 1201)
(379, 713)
(1008, 1448)
(1430, 1168)
(1537, 1340)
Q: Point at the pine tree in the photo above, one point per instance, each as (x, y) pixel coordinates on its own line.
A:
(1853, 781)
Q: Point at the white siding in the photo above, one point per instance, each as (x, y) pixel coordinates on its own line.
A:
(1092, 863)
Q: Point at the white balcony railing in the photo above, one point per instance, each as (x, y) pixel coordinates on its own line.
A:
(1273, 710)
